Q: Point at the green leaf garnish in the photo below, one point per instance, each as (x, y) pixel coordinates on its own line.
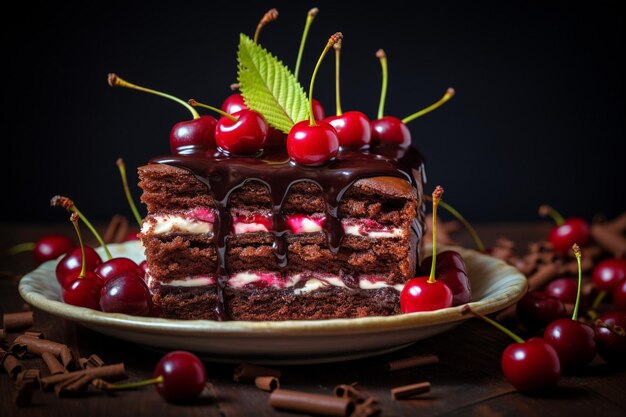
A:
(268, 86)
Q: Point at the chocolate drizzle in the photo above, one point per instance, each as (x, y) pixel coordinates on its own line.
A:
(223, 175)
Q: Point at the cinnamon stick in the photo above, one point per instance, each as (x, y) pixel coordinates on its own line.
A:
(412, 362)
(10, 363)
(347, 391)
(54, 366)
(266, 383)
(304, 402)
(34, 333)
(543, 275)
(407, 391)
(25, 386)
(247, 372)
(18, 321)
(613, 241)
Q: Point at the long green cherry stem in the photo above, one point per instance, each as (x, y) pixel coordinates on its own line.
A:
(337, 47)
(467, 309)
(546, 210)
(309, 20)
(122, 168)
(83, 266)
(195, 103)
(269, 16)
(21, 247)
(579, 256)
(436, 200)
(382, 56)
(332, 41)
(130, 385)
(447, 96)
(68, 204)
(470, 229)
(116, 81)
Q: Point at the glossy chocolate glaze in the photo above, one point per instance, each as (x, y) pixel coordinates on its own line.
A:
(224, 174)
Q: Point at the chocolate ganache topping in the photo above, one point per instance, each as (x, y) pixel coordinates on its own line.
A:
(224, 174)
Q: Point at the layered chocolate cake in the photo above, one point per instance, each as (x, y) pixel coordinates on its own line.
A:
(262, 238)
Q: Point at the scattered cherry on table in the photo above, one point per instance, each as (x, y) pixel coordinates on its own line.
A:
(567, 232)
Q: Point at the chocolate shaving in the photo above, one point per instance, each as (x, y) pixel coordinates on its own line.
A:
(18, 321)
(366, 409)
(413, 362)
(54, 366)
(610, 239)
(247, 372)
(25, 386)
(34, 333)
(266, 383)
(544, 274)
(110, 373)
(117, 230)
(36, 346)
(347, 391)
(10, 363)
(3, 335)
(618, 224)
(94, 361)
(304, 402)
(407, 391)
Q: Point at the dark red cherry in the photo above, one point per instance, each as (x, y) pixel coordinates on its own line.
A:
(318, 110)
(420, 295)
(144, 268)
(51, 247)
(574, 230)
(452, 271)
(574, 342)
(246, 136)
(131, 236)
(127, 294)
(611, 336)
(608, 273)
(353, 129)
(390, 130)
(531, 366)
(536, 310)
(619, 295)
(72, 262)
(234, 103)
(193, 135)
(82, 291)
(117, 266)
(183, 376)
(312, 144)
(564, 289)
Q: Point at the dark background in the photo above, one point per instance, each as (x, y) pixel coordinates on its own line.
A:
(538, 116)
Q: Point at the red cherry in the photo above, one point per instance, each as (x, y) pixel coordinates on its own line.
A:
(353, 129)
(127, 294)
(610, 331)
(420, 295)
(234, 103)
(244, 136)
(193, 135)
(619, 295)
(82, 291)
(390, 130)
(451, 270)
(564, 289)
(183, 376)
(531, 366)
(573, 341)
(536, 310)
(117, 266)
(131, 236)
(72, 262)
(574, 230)
(144, 268)
(312, 144)
(609, 273)
(318, 110)
(51, 247)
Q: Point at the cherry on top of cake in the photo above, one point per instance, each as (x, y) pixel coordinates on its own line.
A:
(272, 112)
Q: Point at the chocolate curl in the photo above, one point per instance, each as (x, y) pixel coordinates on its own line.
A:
(18, 321)
(73, 386)
(609, 239)
(304, 402)
(444, 229)
(10, 363)
(413, 362)
(347, 391)
(247, 372)
(94, 361)
(109, 373)
(36, 346)
(117, 230)
(54, 366)
(618, 224)
(266, 383)
(543, 275)
(408, 391)
(366, 409)
(35, 334)
(3, 335)
(25, 386)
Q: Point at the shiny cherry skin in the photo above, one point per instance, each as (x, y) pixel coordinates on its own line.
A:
(609, 273)
(318, 110)
(127, 294)
(390, 130)
(353, 129)
(72, 261)
(83, 292)
(117, 266)
(536, 310)
(246, 136)
(194, 135)
(452, 271)
(619, 295)
(574, 342)
(234, 103)
(531, 366)
(312, 145)
(184, 376)
(565, 289)
(51, 247)
(132, 236)
(144, 268)
(610, 330)
(420, 295)
(574, 230)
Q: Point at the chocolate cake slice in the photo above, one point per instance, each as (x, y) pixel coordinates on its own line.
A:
(265, 239)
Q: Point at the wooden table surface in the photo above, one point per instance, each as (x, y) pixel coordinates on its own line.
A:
(467, 381)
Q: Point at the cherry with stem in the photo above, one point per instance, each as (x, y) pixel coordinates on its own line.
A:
(567, 232)
(270, 16)
(68, 204)
(610, 331)
(427, 293)
(122, 168)
(606, 276)
(46, 248)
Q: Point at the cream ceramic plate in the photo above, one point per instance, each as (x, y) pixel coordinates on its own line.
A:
(495, 285)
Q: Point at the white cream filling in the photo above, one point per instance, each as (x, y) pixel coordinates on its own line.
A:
(355, 230)
(366, 284)
(241, 228)
(166, 223)
(309, 226)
